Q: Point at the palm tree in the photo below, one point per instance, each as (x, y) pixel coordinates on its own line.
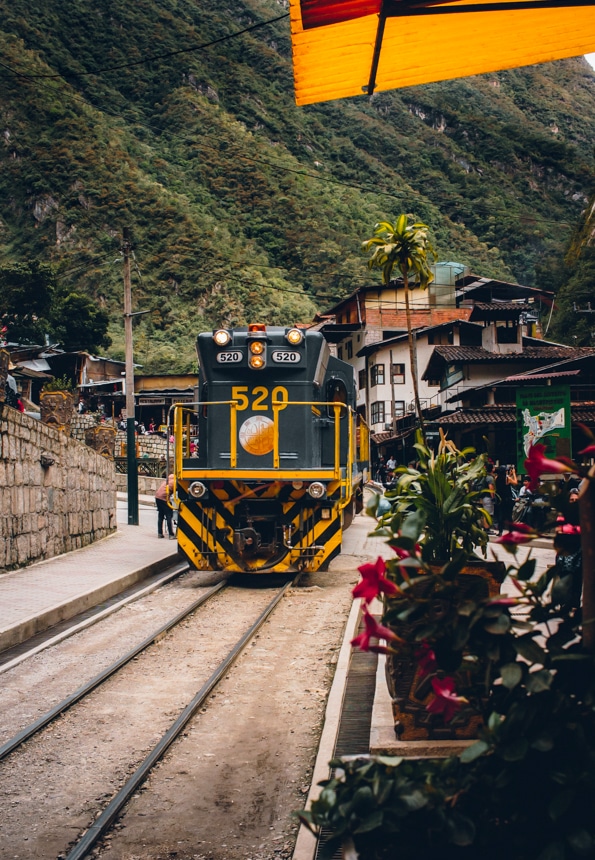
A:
(404, 245)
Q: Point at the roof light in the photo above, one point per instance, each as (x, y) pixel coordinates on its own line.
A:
(294, 336)
(222, 337)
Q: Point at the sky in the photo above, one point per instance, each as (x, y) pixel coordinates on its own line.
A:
(590, 58)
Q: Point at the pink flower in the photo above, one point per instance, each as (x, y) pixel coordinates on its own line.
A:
(374, 582)
(515, 537)
(590, 449)
(504, 601)
(374, 630)
(536, 464)
(426, 660)
(445, 701)
(525, 529)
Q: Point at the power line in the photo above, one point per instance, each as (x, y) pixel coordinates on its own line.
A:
(277, 166)
(154, 57)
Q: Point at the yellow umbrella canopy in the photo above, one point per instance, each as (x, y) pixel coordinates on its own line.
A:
(348, 47)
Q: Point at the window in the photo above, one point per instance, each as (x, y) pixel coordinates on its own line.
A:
(507, 334)
(361, 379)
(398, 373)
(399, 408)
(377, 375)
(349, 349)
(441, 337)
(340, 353)
(378, 412)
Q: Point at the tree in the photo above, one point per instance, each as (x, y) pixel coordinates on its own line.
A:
(404, 245)
(26, 294)
(77, 323)
(33, 307)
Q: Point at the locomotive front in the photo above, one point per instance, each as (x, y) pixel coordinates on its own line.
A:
(280, 457)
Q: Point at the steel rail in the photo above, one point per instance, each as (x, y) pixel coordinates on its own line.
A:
(168, 575)
(103, 823)
(90, 685)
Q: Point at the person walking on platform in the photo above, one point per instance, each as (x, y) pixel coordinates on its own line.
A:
(164, 512)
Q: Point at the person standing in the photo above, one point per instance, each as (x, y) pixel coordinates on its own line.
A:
(488, 492)
(164, 511)
(506, 479)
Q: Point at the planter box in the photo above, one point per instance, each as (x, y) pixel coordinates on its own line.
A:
(102, 439)
(56, 409)
(410, 692)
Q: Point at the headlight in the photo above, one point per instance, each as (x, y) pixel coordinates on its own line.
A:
(256, 362)
(197, 489)
(222, 337)
(257, 347)
(294, 336)
(317, 490)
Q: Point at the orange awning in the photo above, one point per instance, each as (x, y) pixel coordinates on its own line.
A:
(348, 47)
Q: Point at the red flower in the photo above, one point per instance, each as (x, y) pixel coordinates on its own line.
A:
(536, 464)
(524, 528)
(426, 660)
(374, 630)
(516, 537)
(590, 449)
(374, 582)
(445, 701)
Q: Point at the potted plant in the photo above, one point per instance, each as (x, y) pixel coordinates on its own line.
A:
(57, 402)
(434, 523)
(525, 790)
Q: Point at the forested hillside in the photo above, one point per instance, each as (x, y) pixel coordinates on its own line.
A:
(243, 206)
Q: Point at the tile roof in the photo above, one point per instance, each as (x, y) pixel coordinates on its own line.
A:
(529, 353)
(506, 414)
(478, 355)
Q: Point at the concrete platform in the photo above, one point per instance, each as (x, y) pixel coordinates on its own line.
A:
(35, 598)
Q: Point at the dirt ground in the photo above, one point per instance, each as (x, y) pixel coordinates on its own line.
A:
(229, 787)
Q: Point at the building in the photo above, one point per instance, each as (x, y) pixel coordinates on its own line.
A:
(467, 330)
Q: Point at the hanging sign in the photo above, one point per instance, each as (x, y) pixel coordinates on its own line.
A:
(543, 416)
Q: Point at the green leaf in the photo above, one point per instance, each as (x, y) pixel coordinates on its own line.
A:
(560, 803)
(413, 525)
(538, 682)
(526, 647)
(499, 625)
(526, 570)
(516, 750)
(512, 675)
(372, 822)
(553, 851)
(462, 830)
(581, 842)
(474, 751)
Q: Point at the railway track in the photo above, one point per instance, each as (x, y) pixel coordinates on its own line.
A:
(106, 817)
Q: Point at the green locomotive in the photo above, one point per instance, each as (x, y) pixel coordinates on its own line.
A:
(282, 455)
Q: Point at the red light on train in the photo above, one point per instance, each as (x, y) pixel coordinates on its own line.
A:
(257, 327)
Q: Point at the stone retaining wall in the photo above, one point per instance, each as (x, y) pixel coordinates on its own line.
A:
(147, 445)
(56, 494)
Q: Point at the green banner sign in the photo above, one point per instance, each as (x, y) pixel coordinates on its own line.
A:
(543, 416)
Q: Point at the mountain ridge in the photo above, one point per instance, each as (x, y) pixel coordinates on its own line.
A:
(242, 204)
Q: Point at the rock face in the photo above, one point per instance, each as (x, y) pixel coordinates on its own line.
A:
(56, 494)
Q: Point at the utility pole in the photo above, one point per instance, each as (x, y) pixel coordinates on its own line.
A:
(130, 428)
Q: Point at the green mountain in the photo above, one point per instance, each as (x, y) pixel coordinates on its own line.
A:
(243, 206)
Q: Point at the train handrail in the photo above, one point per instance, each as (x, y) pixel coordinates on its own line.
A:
(180, 408)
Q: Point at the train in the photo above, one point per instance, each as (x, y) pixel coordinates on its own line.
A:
(271, 459)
